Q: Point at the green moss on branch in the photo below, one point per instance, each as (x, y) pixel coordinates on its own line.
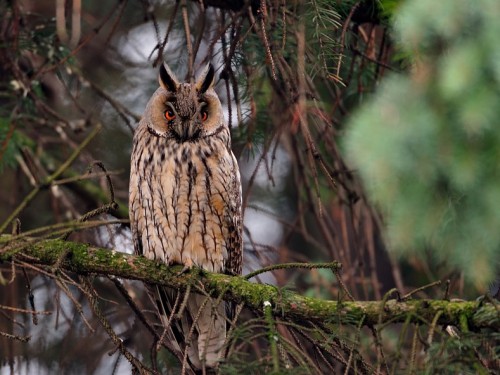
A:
(83, 259)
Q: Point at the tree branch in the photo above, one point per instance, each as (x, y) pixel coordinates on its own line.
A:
(85, 259)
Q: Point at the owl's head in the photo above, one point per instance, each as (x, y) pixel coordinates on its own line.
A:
(185, 111)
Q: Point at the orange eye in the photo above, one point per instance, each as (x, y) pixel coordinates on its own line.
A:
(204, 115)
(169, 115)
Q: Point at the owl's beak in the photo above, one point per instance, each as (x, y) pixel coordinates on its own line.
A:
(188, 130)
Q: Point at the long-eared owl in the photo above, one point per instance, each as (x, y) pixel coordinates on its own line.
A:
(185, 204)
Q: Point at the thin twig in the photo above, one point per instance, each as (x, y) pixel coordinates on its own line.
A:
(189, 44)
(15, 337)
(329, 265)
(136, 363)
(51, 178)
(427, 286)
(342, 35)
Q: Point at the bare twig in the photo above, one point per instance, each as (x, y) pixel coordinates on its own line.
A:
(51, 178)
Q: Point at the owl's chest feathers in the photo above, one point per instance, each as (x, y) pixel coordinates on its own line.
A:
(185, 186)
(191, 179)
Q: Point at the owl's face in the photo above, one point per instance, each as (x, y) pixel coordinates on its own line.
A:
(184, 112)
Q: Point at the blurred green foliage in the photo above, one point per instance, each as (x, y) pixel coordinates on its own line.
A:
(11, 140)
(36, 41)
(427, 144)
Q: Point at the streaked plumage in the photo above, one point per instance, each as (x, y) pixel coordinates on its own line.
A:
(185, 199)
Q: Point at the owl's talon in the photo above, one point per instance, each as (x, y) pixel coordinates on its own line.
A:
(184, 270)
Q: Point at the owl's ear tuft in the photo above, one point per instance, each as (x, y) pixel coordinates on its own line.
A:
(167, 79)
(206, 79)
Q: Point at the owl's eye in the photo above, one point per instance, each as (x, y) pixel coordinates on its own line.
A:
(204, 115)
(169, 115)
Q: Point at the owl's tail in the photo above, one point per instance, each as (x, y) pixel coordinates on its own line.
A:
(201, 330)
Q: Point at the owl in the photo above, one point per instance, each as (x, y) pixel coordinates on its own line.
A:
(185, 205)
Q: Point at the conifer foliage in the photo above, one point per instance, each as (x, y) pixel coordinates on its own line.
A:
(428, 142)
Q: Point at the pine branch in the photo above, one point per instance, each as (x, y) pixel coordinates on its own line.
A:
(84, 259)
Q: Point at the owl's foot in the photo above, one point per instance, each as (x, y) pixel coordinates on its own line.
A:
(185, 269)
(188, 265)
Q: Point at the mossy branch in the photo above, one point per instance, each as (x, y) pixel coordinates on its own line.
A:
(85, 259)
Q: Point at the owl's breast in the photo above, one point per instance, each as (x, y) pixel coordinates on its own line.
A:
(186, 204)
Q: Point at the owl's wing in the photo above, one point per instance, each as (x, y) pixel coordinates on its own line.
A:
(163, 298)
(234, 223)
(135, 209)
